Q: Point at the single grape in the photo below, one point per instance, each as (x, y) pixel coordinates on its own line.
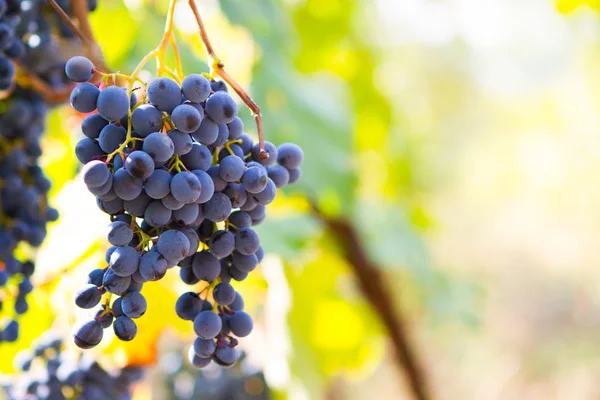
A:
(83, 97)
(159, 146)
(206, 266)
(116, 308)
(199, 157)
(115, 284)
(111, 137)
(267, 195)
(246, 144)
(88, 297)
(208, 131)
(279, 175)
(146, 119)
(188, 306)
(245, 263)
(270, 149)
(158, 184)
(246, 241)
(218, 208)
(186, 118)
(119, 233)
(221, 243)
(124, 261)
(219, 183)
(241, 324)
(231, 168)
(137, 207)
(207, 324)
(221, 108)
(187, 214)
(87, 333)
(237, 194)
(95, 173)
(204, 348)
(95, 277)
(92, 125)
(139, 164)
(173, 245)
(238, 303)
(236, 128)
(113, 103)
(157, 214)
(222, 136)
(134, 305)
(152, 266)
(182, 142)
(172, 203)
(226, 356)
(290, 155)
(125, 328)
(126, 186)
(185, 187)
(240, 219)
(111, 207)
(255, 179)
(164, 94)
(79, 69)
(224, 294)
(195, 88)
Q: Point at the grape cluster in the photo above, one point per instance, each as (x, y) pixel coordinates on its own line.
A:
(183, 185)
(48, 372)
(11, 45)
(24, 209)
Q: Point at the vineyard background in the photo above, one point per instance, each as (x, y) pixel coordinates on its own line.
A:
(458, 139)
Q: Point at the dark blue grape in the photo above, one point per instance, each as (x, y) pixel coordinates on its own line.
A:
(185, 187)
(164, 94)
(207, 325)
(152, 266)
(195, 88)
(83, 97)
(159, 146)
(289, 155)
(134, 305)
(207, 133)
(279, 175)
(295, 174)
(119, 233)
(241, 324)
(95, 173)
(231, 168)
(79, 69)
(139, 165)
(221, 108)
(157, 214)
(255, 179)
(182, 142)
(115, 284)
(146, 119)
(206, 266)
(204, 348)
(187, 214)
(199, 157)
(207, 185)
(88, 296)
(188, 306)
(270, 149)
(173, 245)
(196, 361)
(87, 333)
(186, 118)
(221, 243)
(92, 125)
(218, 208)
(236, 128)
(111, 137)
(226, 356)
(125, 328)
(126, 186)
(224, 294)
(158, 184)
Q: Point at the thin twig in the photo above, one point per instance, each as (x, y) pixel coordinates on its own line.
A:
(63, 15)
(217, 67)
(80, 12)
(373, 285)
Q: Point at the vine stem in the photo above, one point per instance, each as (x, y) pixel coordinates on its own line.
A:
(218, 67)
(373, 285)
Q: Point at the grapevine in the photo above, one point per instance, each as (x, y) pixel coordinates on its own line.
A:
(183, 184)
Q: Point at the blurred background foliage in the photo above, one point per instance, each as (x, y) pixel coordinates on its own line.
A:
(459, 138)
